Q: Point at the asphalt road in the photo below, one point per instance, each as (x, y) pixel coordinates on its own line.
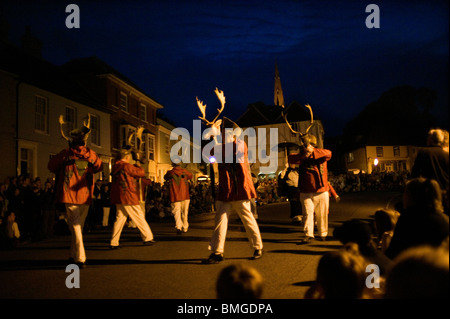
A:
(172, 268)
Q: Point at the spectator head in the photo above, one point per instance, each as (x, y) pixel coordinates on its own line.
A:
(445, 144)
(354, 231)
(419, 273)
(423, 195)
(238, 281)
(342, 274)
(436, 137)
(385, 220)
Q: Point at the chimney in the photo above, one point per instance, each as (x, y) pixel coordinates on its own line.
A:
(30, 44)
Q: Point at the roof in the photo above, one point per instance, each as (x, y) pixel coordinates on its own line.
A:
(38, 72)
(259, 114)
(93, 66)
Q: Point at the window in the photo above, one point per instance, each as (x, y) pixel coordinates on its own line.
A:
(167, 139)
(379, 151)
(396, 151)
(95, 129)
(26, 161)
(151, 147)
(143, 112)
(41, 114)
(71, 118)
(350, 157)
(124, 101)
(125, 132)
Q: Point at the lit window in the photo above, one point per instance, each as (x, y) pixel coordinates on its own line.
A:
(379, 151)
(350, 157)
(396, 151)
(167, 143)
(71, 119)
(95, 130)
(151, 147)
(125, 133)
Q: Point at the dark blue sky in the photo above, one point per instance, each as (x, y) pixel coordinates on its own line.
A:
(327, 57)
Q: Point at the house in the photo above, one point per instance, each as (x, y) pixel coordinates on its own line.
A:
(381, 158)
(129, 105)
(33, 94)
(263, 118)
(164, 129)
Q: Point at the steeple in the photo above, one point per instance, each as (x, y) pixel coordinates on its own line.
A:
(278, 98)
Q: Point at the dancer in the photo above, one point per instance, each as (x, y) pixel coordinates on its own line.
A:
(236, 187)
(125, 195)
(74, 168)
(178, 181)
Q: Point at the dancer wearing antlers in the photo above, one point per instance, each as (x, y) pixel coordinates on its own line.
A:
(236, 187)
(126, 193)
(74, 168)
(313, 182)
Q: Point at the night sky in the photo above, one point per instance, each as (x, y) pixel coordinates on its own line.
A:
(327, 57)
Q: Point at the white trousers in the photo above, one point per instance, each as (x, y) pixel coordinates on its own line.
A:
(180, 212)
(317, 203)
(105, 216)
(76, 216)
(224, 209)
(137, 215)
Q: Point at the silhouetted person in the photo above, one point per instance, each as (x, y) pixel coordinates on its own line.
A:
(433, 162)
(419, 273)
(341, 274)
(422, 220)
(75, 168)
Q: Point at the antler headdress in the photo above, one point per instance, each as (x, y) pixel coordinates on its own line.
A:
(304, 137)
(202, 108)
(77, 136)
(137, 150)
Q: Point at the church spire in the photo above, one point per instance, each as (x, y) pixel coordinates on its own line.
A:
(278, 98)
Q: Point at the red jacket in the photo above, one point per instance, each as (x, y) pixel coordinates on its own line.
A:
(235, 179)
(313, 172)
(74, 169)
(125, 188)
(178, 183)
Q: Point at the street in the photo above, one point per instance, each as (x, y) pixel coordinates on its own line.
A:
(172, 268)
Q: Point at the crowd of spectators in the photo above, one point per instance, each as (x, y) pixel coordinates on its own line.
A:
(38, 216)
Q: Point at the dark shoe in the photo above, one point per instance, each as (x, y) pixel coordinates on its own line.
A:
(149, 242)
(257, 254)
(114, 247)
(306, 240)
(323, 238)
(179, 232)
(213, 259)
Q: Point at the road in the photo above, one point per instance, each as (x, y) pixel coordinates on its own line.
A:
(172, 268)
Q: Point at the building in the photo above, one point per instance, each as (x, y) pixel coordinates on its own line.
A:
(381, 158)
(130, 107)
(164, 129)
(33, 94)
(263, 118)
